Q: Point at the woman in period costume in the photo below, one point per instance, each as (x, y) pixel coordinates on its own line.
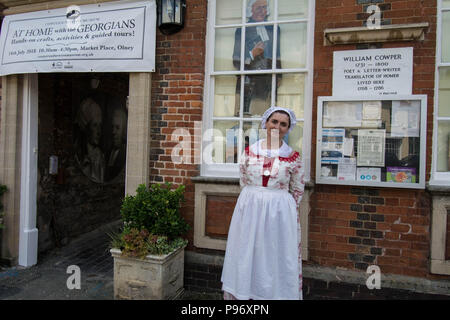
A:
(263, 257)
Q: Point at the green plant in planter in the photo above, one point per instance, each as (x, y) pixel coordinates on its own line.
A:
(152, 221)
(2, 191)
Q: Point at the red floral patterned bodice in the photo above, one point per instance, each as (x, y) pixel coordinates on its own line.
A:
(286, 173)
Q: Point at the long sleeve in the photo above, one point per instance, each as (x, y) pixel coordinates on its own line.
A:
(296, 182)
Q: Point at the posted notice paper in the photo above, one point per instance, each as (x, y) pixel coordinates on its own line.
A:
(371, 147)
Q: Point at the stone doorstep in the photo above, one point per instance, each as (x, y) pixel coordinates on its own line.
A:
(345, 276)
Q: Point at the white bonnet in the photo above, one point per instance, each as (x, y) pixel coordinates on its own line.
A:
(273, 109)
(249, 7)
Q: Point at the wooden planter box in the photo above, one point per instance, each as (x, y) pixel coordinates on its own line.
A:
(153, 278)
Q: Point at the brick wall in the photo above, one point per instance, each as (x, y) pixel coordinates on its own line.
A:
(355, 227)
(202, 277)
(177, 100)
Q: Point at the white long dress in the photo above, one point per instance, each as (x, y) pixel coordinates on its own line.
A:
(263, 255)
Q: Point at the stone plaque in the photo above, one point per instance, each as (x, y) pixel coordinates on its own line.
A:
(373, 72)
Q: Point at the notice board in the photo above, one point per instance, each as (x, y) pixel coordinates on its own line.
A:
(372, 142)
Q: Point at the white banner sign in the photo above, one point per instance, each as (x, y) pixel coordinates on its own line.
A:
(106, 37)
(373, 72)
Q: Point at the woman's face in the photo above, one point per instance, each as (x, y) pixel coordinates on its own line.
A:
(278, 121)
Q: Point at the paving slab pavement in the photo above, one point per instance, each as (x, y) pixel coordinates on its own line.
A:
(47, 280)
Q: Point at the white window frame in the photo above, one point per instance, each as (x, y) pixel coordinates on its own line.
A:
(232, 169)
(438, 178)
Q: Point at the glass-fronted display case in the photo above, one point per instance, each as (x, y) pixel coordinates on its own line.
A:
(372, 142)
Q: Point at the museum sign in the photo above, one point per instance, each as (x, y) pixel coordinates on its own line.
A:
(106, 37)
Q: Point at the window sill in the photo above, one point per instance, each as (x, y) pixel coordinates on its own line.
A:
(217, 180)
(438, 187)
(225, 180)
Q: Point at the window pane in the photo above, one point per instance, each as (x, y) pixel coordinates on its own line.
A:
(259, 10)
(252, 133)
(257, 94)
(228, 12)
(226, 101)
(290, 93)
(292, 9)
(293, 45)
(443, 160)
(295, 138)
(444, 92)
(445, 37)
(225, 142)
(445, 3)
(223, 51)
(258, 47)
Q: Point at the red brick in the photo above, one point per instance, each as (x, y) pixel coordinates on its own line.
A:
(392, 235)
(420, 255)
(341, 231)
(169, 172)
(392, 252)
(407, 202)
(341, 247)
(345, 198)
(391, 201)
(385, 269)
(417, 220)
(348, 215)
(414, 237)
(390, 218)
(337, 263)
(388, 192)
(322, 237)
(397, 261)
(414, 272)
(400, 5)
(401, 227)
(393, 244)
(322, 253)
(174, 90)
